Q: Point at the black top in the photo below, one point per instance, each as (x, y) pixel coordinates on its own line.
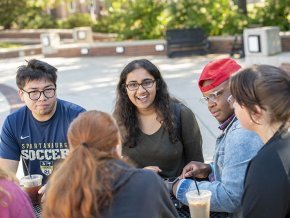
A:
(267, 184)
(139, 193)
(157, 149)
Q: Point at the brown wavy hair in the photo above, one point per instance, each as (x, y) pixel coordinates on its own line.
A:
(125, 111)
(266, 86)
(7, 176)
(81, 185)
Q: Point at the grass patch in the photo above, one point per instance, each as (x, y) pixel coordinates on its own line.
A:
(9, 45)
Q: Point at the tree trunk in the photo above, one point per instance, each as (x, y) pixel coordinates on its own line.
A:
(7, 26)
(242, 4)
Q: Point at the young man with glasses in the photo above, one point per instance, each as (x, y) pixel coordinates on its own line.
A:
(235, 147)
(37, 131)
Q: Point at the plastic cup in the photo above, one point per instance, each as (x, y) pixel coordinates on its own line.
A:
(31, 185)
(199, 205)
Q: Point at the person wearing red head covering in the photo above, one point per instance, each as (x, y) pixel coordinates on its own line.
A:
(234, 148)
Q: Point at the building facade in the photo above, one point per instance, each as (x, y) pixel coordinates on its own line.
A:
(67, 8)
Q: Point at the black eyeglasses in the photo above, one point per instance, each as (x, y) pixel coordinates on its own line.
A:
(35, 95)
(212, 96)
(147, 83)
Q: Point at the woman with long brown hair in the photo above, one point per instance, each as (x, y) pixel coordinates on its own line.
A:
(93, 181)
(158, 131)
(13, 201)
(261, 98)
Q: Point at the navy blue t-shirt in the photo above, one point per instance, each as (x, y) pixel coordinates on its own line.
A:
(39, 143)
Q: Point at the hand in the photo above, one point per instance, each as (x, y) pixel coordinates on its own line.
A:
(155, 169)
(41, 191)
(196, 169)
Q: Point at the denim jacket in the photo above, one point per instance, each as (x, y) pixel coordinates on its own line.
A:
(235, 147)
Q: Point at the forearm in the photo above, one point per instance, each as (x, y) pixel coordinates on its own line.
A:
(221, 200)
(9, 165)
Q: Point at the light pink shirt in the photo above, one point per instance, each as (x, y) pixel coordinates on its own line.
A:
(19, 204)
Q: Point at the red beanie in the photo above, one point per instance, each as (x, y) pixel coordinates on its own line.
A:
(218, 71)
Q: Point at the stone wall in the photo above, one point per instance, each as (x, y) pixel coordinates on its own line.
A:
(285, 41)
(104, 45)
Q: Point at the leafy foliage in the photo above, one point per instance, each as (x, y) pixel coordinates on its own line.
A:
(273, 13)
(215, 17)
(10, 10)
(77, 20)
(35, 18)
(138, 19)
(9, 45)
(46, 4)
(149, 19)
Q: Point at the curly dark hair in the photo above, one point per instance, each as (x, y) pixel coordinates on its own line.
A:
(125, 111)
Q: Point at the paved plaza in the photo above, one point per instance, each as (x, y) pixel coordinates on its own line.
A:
(91, 82)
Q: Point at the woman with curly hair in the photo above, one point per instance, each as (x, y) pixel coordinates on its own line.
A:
(261, 98)
(158, 132)
(93, 181)
(13, 201)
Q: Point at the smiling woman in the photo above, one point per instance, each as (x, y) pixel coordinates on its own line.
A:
(158, 132)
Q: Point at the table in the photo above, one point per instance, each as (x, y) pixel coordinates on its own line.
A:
(37, 210)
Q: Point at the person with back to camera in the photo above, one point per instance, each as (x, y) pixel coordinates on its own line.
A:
(13, 201)
(158, 132)
(93, 181)
(261, 96)
(37, 131)
(235, 147)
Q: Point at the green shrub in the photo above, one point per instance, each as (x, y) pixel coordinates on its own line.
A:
(273, 13)
(134, 19)
(219, 17)
(102, 25)
(9, 45)
(35, 18)
(149, 19)
(10, 10)
(77, 20)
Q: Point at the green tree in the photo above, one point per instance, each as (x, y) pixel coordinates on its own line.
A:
(27, 13)
(35, 18)
(134, 19)
(272, 13)
(77, 20)
(10, 10)
(47, 4)
(242, 5)
(215, 17)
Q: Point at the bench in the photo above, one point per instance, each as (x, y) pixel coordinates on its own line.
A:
(184, 42)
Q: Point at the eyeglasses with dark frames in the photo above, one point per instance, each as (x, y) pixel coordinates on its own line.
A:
(212, 96)
(35, 95)
(147, 83)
